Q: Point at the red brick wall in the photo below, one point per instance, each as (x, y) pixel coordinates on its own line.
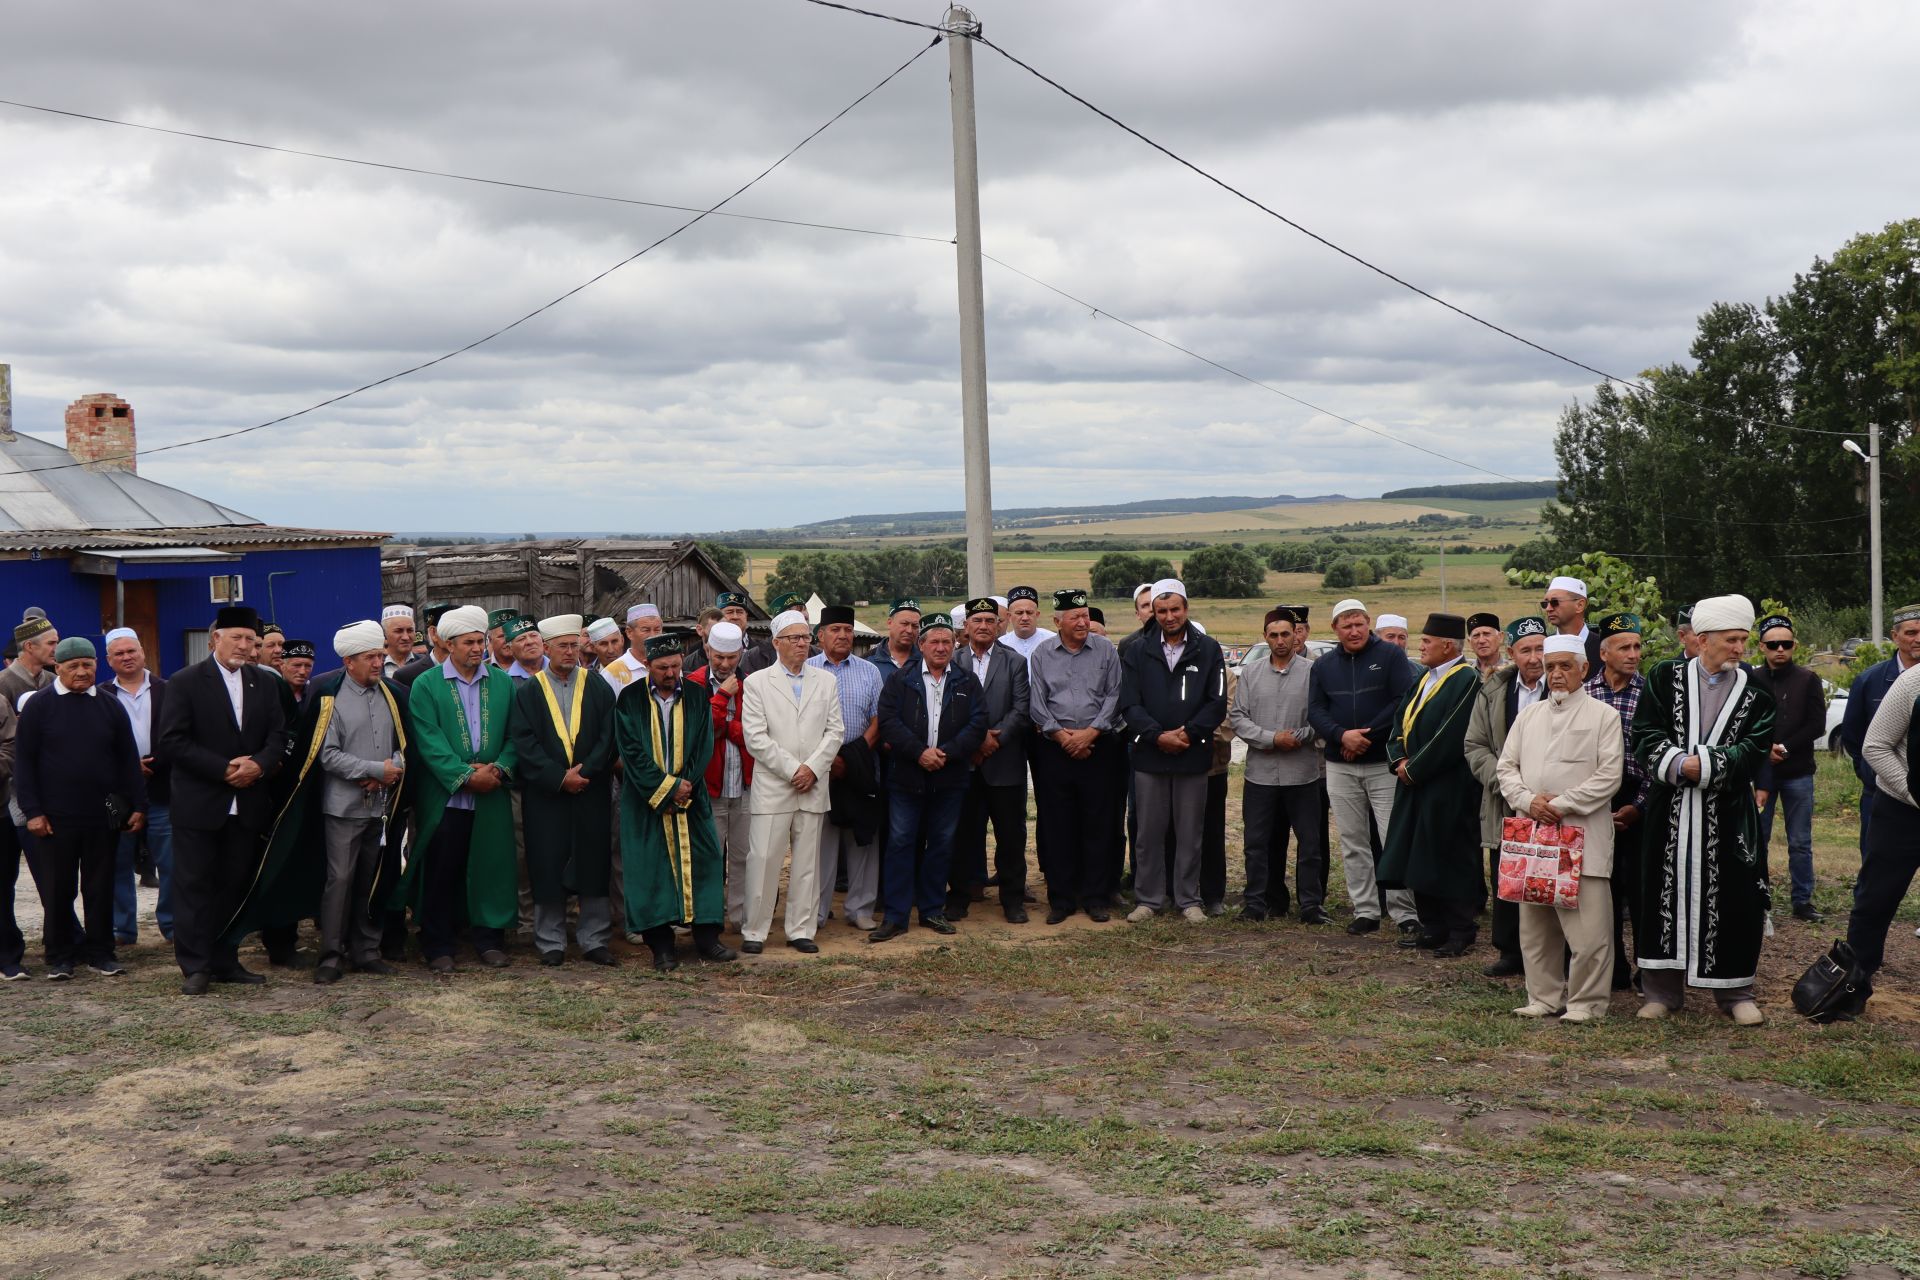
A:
(100, 432)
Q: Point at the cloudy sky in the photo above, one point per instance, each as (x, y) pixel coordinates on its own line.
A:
(1592, 176)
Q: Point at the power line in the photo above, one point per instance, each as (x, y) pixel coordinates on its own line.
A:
(1244, 377)
(1349, 254)
(544, 307)
(457, 177)
(884, 17)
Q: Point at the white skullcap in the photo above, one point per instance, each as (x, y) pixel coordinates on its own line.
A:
(1723, 613)
(726, 637)
(791, 618)
(1169, 587)
(561, 624)
(1567, 644)
(118, 633)
(602, 628)
(959, 615)
(1001, 601)
(466, 619)
(1347, 606)
(1389, 620)
(643, 611)
(1572, 586)
(359, 637)
(1145, 586)
(397, 611)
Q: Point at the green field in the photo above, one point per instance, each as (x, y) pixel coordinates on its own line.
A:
(1517, 510)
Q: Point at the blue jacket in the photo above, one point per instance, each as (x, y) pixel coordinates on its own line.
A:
(1869, 689)
(903, 727)
(1358, 690)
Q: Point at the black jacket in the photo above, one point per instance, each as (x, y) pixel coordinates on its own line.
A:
(197, 737)
(1154, 699)
(1358, 690)
(1800, 716)
(903, 727)
(854, 797)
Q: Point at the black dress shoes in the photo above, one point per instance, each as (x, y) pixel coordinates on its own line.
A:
(326, 975)
(1056, 914)
(241, 976)
(194, 984)
(601, 956)
(1507, 966)
(553, 959)
(805, 946)
(1253, 915)
(1016, 914)
(1099, 915)
(494, 959)
(939, 924)
(1314, 915)
(665, 962)
(888, 930)
(1424, 941)
(379, 968)
(1363, 924)
(753, 948)
(1453, 947)
(441, 964)
(1805, 911)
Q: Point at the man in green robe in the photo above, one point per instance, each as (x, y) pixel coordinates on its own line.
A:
(562, 731)
(674, 870)
(1432, 843)
(463, 866)
(1703, 729)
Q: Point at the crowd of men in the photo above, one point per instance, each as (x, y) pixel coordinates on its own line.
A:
(465, 777)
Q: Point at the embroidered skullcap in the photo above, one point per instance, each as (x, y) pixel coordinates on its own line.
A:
(1520, 628)
(1572, 586)
(642, 610)
(1169, 587)
(119, 633)
(600, 628)
(516, 626)
(1772, 621)
(397, 611)
(298, 649)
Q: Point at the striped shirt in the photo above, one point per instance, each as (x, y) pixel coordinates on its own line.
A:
(1627, 702)
(858, 682)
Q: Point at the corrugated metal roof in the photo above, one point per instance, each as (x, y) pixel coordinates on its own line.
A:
(41, 489)
(251, 535)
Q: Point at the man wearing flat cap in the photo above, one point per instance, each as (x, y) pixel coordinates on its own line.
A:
(1483, 641)
(1704, 730)
(850, 836)
(997, 790)
(1619, 685)
(333, 856)
(223, 733)
(562, 728)
(674, 868)
(464, 845)
(1079, 762)
(1502, 696)
(1432, 843)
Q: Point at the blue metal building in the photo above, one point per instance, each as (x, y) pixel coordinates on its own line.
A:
(97, 546)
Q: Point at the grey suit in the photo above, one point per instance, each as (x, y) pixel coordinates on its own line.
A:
(998, 789)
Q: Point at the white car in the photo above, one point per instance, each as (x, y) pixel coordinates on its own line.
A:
(1836, 712)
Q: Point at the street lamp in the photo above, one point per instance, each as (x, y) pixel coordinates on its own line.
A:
(1871, 456)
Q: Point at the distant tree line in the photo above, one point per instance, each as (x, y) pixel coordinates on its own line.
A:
(1498, 492)
(841, 577)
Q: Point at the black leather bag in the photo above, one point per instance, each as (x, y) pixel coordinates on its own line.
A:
(1833, 989)
(119, 811)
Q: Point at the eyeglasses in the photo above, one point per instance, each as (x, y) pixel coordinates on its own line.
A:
(1778, 644)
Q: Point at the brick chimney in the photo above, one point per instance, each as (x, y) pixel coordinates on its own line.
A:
(6, 403)
(100, 432)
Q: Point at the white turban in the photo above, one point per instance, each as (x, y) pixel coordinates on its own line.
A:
(1169, 587)
(1572, 586)
(118, 633)
(602, 628)
(359, 637)
(726, 637)
(561, 624)
(397, 611)
(959, 615)
(1389, 620)
(1567, 644)
(1723, 613)
(1347, 606)
(459, 622)
(643, 611)
(791, 618)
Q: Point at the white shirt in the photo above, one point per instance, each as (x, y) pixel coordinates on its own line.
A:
(981, 661)
(237, 692)
(1026, 647)
(1172, 652)
(623, 671)
(1524, 697)
(797, 681)
(138, 704)
(935, 686)
(1434, 674)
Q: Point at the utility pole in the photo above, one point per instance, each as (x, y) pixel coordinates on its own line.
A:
(1443, 575)
(1873, 521)
(960, 26)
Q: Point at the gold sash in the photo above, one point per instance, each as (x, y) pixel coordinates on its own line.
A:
(568, 727)
(1417, 705)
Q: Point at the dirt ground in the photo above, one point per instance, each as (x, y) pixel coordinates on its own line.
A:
(1088, 1100)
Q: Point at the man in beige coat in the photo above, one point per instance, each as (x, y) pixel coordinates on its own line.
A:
(1562, 763)
(790, 718)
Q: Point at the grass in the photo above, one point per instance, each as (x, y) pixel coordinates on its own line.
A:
(1127, 1102)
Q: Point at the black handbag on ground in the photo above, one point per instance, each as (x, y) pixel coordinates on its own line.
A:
(1833, 989)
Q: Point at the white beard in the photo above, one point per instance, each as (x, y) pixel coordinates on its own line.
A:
(1559, 696)
(1730, 665)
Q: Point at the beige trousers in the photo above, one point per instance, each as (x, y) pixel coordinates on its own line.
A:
(1548, 933)
(771, 839)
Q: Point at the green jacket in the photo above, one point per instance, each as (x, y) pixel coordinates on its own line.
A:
(444, 749)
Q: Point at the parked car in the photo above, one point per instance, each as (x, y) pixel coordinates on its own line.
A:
(1257, 652)
(1836, 712)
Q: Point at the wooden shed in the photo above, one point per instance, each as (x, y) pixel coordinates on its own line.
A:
(561, 575)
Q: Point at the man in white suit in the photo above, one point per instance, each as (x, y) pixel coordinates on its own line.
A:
(790, 717)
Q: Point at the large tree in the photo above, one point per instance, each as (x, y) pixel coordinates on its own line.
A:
(1730, 475)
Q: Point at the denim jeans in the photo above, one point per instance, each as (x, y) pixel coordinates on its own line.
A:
(911, 817)
(126, 899)
(1798, 796)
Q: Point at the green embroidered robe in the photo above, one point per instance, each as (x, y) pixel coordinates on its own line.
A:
(670, 853)
(1703, 870)
(568, 838)
(1432, 843)
(442, 744)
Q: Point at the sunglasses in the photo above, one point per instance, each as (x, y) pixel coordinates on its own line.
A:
(1553, 602)
(1778, 644)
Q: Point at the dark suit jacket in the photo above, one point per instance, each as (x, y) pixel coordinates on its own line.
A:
(903, 727)
(158, 785)
(197, 737)
(1005, 694)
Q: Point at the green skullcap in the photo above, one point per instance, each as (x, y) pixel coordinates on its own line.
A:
(73, 647)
